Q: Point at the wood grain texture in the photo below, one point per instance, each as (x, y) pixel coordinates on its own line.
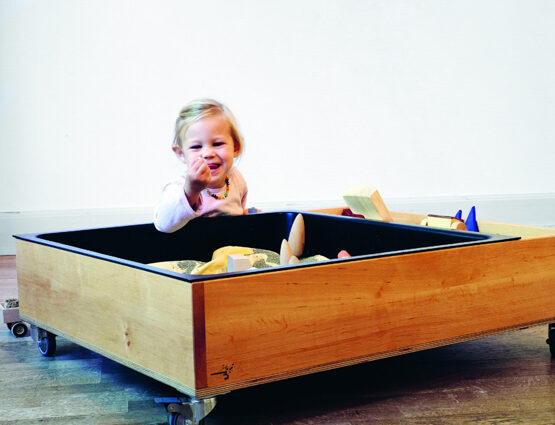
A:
(199, 336)
(260, 327)
(142, 318)
(520, 230)
(506, 378)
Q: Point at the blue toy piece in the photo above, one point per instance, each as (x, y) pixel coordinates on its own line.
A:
(470, 222)
(251, 210)
(459, 214)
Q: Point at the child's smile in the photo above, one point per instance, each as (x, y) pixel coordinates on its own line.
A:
(213, 167)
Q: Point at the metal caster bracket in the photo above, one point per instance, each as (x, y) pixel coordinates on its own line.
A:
(46, 341)
(187, 410)
(551, 338)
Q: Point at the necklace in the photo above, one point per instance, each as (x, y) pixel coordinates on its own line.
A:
(220, 198)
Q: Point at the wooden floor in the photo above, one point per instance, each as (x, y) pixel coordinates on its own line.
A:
(505, 379)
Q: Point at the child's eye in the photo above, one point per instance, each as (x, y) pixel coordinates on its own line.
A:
(194, 147)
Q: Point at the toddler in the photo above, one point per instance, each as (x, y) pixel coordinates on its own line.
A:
(207, 140)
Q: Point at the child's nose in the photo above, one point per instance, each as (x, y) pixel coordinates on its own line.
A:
(207, 151)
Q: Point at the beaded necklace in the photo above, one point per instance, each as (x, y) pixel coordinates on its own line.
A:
(217, 197)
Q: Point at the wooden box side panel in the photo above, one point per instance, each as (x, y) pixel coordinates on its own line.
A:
(142, 319)
(484, 226)
(268, 325)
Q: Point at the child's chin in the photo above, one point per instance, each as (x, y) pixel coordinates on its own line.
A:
(216, 182)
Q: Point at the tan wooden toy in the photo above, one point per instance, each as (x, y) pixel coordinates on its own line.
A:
(294, 260)
(285, 253)
(297, 236)
(443, 222)
(293, 247)
(366, 201)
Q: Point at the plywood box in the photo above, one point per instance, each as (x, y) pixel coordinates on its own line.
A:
(405, 288)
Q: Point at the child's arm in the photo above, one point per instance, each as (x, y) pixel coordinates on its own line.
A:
(173, 211)
(244, 200)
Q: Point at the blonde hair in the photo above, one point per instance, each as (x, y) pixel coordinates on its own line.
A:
(202, 108)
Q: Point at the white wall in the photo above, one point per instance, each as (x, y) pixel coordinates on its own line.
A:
(418, 98)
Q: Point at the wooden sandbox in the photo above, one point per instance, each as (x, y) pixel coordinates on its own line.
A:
(405, 288)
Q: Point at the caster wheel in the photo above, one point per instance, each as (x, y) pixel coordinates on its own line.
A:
(551, 339)
(47, 345)
(19, 330)
(175, 419)
(178, 419)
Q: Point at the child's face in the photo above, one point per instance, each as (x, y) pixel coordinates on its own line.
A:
(210, 140)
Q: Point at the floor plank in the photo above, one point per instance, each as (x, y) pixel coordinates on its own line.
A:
(504, 379)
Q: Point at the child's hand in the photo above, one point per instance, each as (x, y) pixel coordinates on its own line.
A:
(198, 177)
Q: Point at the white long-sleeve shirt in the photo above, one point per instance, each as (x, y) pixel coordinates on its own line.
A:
(173, 210)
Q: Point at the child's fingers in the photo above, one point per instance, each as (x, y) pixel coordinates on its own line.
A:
(196, 164)
(203, 170)
(199, 171)
(197, 167)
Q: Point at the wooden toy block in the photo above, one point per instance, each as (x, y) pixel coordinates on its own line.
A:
(458, 225)
(237, 263)
(443, 222)
(366, 200)
(296, 236)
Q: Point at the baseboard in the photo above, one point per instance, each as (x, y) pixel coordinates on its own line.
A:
(531, 209)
